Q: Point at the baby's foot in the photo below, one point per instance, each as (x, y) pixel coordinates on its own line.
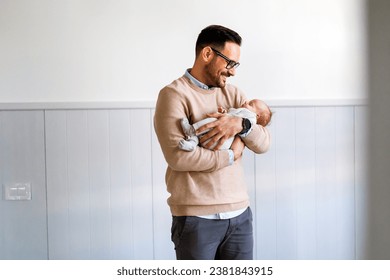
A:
(187, 128)
(187, 145)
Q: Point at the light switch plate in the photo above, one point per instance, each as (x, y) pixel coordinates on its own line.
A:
(17, 191)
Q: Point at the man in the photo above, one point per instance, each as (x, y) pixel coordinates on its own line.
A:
(208, 196)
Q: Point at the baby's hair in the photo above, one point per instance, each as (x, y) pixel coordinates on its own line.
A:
(265, 117)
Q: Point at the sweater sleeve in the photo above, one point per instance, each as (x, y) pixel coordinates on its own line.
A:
(171, 107)
(258, 140)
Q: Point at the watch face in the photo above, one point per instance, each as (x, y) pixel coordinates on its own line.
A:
(247, 124)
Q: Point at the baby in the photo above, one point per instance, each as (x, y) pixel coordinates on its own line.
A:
(255, 110)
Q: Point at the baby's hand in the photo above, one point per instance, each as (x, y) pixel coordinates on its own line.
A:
(222, 110)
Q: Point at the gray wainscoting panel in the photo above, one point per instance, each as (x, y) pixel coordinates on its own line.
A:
(100, 184)
(23, 226)
(305, 162)
(361, 180)
(305, 185)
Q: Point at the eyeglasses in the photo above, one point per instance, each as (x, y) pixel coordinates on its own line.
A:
(230, 63)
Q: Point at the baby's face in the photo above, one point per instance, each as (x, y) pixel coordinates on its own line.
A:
(260, 108)
(252, 105)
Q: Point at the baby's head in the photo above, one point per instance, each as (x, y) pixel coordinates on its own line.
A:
(263, 112)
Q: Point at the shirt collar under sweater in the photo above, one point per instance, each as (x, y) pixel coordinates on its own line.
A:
(195, 81)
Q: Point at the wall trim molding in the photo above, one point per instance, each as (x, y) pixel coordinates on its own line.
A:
(150, 104)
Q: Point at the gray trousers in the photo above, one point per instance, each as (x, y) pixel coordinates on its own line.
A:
(204, 239)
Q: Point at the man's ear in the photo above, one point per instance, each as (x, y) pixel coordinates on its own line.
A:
(207, 54)
(257, 118)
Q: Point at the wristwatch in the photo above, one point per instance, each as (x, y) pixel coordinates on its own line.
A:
(246, 125)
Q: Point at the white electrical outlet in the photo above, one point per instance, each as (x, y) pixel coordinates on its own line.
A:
(17, 191)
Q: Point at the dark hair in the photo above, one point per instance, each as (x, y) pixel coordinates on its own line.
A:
(216, 36)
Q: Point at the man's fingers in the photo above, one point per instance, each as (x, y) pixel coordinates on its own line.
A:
(215, 115)
(216, 142)
(206, 127)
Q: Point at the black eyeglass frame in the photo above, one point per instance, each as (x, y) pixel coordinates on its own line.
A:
(230, 63)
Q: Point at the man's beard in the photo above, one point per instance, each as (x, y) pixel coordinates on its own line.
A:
(219, 81)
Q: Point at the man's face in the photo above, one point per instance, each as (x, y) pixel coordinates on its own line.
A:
(216, 71)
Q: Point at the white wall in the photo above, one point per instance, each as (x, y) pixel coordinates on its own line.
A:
(126, 50)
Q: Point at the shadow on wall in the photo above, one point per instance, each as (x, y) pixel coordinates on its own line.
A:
(377, 240)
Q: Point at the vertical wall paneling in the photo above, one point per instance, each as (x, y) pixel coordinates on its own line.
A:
(57, 185)
(78, 184)
(285, 183)
(122, 245)
(305, 174)
(326, 189)
(344, 182)
(99, 183)
(142, 191)
(265, 214)
(361, 180)
(23, 228)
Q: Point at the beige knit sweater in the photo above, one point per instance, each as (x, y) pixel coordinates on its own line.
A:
(201, 182)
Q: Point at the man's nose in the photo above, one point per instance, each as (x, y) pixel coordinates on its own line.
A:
(232, 71)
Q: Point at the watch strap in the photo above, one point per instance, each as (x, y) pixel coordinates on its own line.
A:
(246, 125)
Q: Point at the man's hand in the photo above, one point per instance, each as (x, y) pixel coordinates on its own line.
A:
(238, 147)
(220, 130)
